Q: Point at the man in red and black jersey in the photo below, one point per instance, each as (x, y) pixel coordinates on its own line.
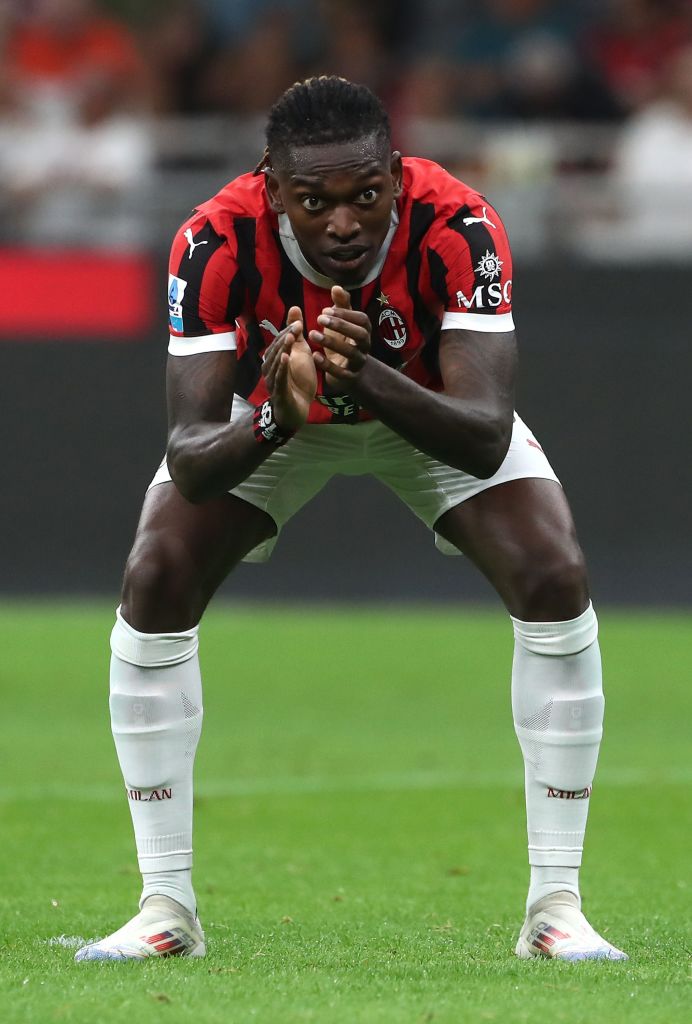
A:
(444, 261)
(346, 310)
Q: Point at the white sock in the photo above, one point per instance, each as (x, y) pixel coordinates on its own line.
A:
(557, 702)
(156, 718)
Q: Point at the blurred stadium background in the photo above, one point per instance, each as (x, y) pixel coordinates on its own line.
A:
(573, 116)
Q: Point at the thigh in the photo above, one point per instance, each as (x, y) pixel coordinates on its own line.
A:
(182, 552)
(521, 535)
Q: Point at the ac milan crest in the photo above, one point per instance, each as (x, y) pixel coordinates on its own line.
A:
(392, 328)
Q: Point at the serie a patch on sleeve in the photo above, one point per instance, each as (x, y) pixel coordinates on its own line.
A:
(176, 292)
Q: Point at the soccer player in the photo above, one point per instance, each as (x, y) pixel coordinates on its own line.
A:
(344, 309)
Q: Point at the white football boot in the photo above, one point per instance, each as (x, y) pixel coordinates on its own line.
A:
(161, 928)
(555, 927)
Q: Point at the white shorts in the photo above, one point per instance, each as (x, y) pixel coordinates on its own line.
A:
(297, 471)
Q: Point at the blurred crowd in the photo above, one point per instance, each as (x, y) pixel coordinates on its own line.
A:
(576, 59)
(82, 81)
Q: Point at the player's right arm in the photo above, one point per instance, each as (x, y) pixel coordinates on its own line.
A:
(206, 454)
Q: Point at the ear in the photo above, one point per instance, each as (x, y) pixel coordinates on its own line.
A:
(273, 191)
(397, 171)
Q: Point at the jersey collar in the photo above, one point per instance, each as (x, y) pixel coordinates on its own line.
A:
(295, 255)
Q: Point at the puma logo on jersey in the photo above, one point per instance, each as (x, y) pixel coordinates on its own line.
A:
(193, 245)
(480, 220)
(269, 326)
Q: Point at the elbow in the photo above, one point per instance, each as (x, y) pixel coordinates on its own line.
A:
(485, 470)
(189, 491)
(493, 445)
(187, 487)
(179, 466)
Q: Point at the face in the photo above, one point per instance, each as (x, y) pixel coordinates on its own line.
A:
(338, 198)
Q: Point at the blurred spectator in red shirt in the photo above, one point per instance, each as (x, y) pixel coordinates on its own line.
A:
(75, 152)
(635, 42)
(61, 45)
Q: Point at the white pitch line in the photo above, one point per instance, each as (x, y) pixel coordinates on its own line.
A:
(296, 785)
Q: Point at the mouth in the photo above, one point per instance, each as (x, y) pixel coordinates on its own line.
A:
(346, 259)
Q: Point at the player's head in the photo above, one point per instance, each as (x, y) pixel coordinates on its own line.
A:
(329, 166)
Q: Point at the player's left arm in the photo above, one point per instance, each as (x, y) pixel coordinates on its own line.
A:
(468, 426)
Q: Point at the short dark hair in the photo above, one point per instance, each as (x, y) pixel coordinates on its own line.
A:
(322, 110)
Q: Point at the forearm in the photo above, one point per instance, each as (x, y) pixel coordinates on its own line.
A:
(206, 460)
(468, 434)
(207, 455)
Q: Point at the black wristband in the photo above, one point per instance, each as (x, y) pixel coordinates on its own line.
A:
(265, 427)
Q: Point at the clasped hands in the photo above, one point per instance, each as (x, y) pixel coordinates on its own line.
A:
(290, 365)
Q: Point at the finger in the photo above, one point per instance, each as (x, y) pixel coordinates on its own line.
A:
(295, 328)
(290, 332)
(295, 315)
(269, 374)
(345, 348)
(272, 370)
(317, 338)
(271, 353)
(275, 379)
(335, 369)
(294, 322)
(340, 297)
(268, 360)
(352, 316)
(281, 375)
(356, 332)
(334, 341)
(283, 343)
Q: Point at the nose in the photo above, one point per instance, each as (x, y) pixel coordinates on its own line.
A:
(343, 224)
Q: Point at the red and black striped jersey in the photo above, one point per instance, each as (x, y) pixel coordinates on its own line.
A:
(233, 275)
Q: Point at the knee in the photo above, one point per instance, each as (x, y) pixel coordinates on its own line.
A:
(552, 587)
(160, 588)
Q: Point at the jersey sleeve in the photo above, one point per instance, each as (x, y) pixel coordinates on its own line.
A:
(205, 292)
(471, 262)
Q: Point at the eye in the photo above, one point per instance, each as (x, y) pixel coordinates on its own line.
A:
(312, 203)
(368, 196)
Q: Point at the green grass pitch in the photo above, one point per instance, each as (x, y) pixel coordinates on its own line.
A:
(359, 826)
